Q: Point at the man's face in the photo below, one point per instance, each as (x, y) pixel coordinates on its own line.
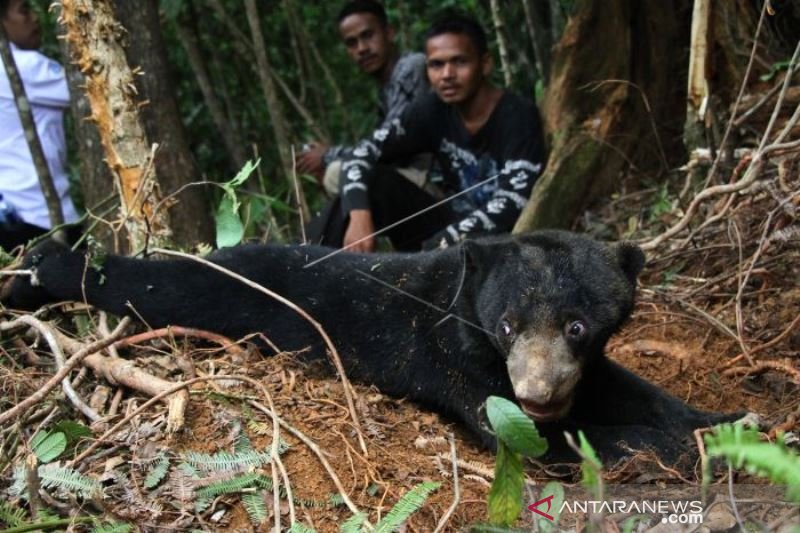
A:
(455, 68)
(368, 42)
(22, 25)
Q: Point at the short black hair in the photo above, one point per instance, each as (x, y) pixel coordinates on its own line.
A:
(455, 21)
(4, 7)
(373, 7)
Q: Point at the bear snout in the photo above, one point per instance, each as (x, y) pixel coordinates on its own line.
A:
(544, 374)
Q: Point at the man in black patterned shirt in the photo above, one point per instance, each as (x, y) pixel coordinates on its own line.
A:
(369, 41)
(487, 141)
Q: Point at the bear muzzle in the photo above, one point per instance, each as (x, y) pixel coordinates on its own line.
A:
(544, 374)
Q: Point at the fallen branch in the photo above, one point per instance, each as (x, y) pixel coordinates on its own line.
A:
(172, 331)
(763, 366)
(456, 490)
(73, 361)
(50, 336)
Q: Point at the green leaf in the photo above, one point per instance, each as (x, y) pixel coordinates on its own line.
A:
(74, 431)
(743, 448)
(590, 467)
(514, 428)
(554, 488)
(505, 496)
(243, 174)
(229, 226)
(48, 446)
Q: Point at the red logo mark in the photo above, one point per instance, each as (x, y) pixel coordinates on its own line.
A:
(548, 501)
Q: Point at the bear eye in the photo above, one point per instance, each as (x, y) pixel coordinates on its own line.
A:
(576, 330)
(505, 327)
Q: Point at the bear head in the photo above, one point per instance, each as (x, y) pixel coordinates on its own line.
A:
(552, 300)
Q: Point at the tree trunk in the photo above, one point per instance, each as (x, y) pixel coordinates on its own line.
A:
(190, 214)
(279, 125)
(97, 182)
(95, 40)
(605, 111)
(502, 47)
(187, 34)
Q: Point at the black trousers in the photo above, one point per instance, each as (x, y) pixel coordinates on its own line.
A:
(392, 198)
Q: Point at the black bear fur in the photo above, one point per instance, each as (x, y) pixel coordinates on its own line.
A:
(523, 317)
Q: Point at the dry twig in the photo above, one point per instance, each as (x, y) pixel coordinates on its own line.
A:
(73, 361)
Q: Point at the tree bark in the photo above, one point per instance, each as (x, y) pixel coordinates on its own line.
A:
(606, 111)
(95, 40)
(697, 90)
(189, 209)
(31, 135)
(502, 47)
(97, 181)
(280, 127)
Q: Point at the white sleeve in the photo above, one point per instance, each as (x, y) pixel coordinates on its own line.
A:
(44, 79)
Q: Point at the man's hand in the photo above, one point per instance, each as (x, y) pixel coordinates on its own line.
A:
(360, 227)
(310, 161)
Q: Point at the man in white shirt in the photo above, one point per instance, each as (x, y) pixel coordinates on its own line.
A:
(23, 210)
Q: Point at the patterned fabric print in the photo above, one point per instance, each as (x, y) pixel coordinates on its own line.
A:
(408, 80)
(489, 173)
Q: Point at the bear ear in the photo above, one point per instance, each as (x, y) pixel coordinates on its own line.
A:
(631, 259)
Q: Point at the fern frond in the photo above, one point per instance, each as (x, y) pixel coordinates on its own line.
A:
(18, 488)
(336, 500)
(409, 504)
(297, 527)
(256, 507)
(742, 447)
(157, 471)
(353, 524)
(113, 527)
(226, 461)
(242, 443)
(231, 485)
(202, 503)
(11, 515)
(53, 475)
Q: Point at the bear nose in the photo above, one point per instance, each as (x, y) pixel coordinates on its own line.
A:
(545, 392)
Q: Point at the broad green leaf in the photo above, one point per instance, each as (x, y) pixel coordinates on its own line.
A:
(554, 488)
(514, 428)
(74, 431)
(229, 226)
(505, 496)
(48, 446)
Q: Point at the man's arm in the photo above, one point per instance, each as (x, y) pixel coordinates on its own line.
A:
(403, 137)
(522, 161)
(408, 82)
(44, 79)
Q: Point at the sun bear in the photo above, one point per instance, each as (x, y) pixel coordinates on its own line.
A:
(523, 317)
